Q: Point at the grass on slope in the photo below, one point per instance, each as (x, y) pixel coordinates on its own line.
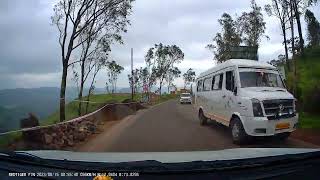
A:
(309, 81)
(99, 100)
(307, 120)
(308, 87)
(8, 138)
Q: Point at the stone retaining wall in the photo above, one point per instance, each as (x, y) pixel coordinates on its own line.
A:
(66, 134)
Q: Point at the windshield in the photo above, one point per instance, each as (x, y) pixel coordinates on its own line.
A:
(185, 95)
(115, 76)
(260, 79)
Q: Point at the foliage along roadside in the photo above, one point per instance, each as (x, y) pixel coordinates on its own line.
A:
(308, 87)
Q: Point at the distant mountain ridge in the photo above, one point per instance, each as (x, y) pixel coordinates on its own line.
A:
(15, 104)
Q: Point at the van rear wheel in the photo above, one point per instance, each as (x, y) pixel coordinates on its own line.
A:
(203, 119)
(239, 136)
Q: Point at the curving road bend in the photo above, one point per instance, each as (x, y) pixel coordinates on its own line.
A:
(171, 126)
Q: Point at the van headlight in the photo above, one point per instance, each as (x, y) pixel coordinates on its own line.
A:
(256, 107)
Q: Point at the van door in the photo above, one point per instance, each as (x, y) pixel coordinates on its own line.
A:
(198, 97)
(228, 96)
(206, 95)
(215, 103)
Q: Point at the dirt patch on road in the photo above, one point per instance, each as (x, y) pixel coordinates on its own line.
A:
(103, 127)
(308, 135)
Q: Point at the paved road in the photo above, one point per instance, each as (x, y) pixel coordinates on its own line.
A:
(170, 127)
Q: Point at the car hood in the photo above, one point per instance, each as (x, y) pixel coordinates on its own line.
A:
(185, 97)
(169, 157)
(263, 93)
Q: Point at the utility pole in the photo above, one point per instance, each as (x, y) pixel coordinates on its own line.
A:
(132, 85)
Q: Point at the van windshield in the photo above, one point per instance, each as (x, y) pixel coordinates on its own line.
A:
(260, 79)
(185, 95)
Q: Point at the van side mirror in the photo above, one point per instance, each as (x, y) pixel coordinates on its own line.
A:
(235, 91)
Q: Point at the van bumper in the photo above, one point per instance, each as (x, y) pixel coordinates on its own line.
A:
(261, 126)
(185, 100)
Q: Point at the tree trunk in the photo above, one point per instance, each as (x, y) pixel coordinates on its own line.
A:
(112, 88)
(160, 88)
(292, 29)
(285, 46)
(297, 16)
(295, 78)
(149, 90)
(293, 47)
(63, 92)
(87, 103)
(83, 60)
(65, 61)
(80, 100)
(91, 86)
(81, 89)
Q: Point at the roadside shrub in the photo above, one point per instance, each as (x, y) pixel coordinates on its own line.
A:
(308, 80)
(290, 81)
(128, 101)
(312, 100)
(308, 87)
(313, 52)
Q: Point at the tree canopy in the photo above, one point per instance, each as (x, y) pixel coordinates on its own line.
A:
(313, 29)
(189, 77)
(248, 29)
(251, 25)
(79, 22)
(160, 59)
(113, 71)
(224, 40)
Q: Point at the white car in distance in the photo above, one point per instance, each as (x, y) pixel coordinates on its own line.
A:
(185, 98)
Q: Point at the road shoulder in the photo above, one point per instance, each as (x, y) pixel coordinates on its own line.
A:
(109, 134)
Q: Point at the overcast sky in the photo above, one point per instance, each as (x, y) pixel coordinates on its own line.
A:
(30, 55)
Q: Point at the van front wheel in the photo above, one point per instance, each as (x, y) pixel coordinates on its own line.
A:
(239, 136)
(283, 136)
(203, 119)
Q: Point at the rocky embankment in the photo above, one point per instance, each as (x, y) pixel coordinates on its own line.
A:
(67, 134)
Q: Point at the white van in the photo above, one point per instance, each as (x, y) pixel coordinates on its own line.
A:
(249, 97)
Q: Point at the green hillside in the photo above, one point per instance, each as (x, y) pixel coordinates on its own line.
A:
(308, 87)
(98, 101)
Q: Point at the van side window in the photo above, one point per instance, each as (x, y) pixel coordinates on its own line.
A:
(217, 82)
(220, 81)
(207, 84)
(199, 86)
(212, 83)
(229, 80)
